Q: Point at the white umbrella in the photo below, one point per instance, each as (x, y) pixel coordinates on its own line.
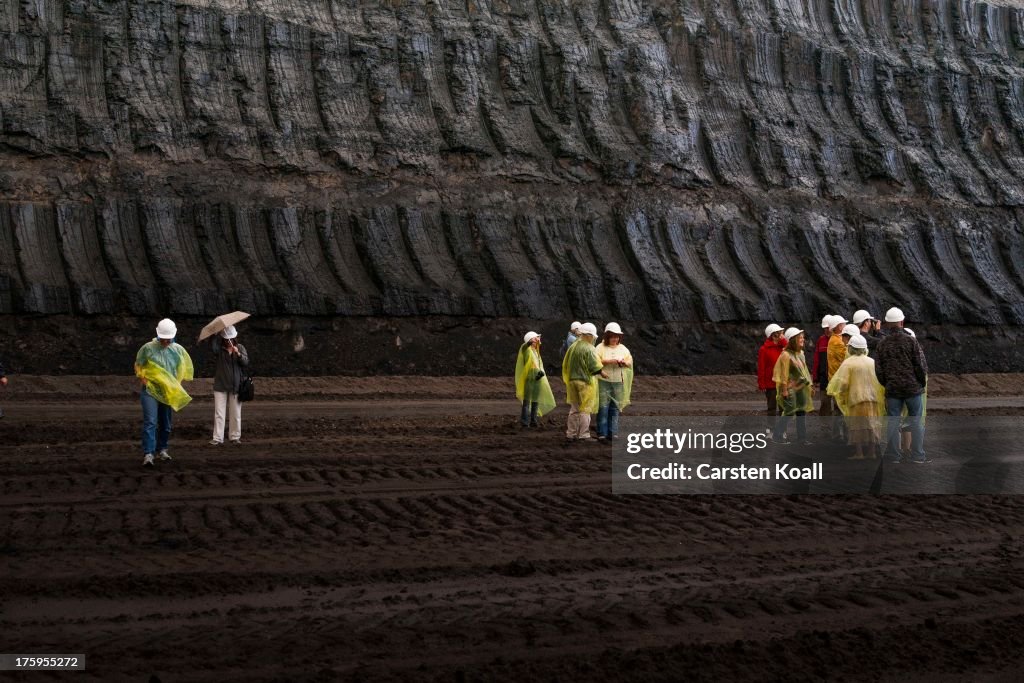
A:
(222, 322)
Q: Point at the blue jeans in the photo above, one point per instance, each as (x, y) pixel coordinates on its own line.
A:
(609, 396)
(156, 424)
(893, 410)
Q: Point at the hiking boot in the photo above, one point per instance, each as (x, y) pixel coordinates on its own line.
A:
(236, 442)
(164, 455)
(781, 442)
(214, 442)
(923, 461)
(147, 461)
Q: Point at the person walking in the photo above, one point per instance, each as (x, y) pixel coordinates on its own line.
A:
(794, 387)
(161, 366)
(820, 368)
(570, 339)
(581, 367)
(613, 391)
(230, 357)
(767, 356)
(532, 386)
(859, 397)
(903, 371)
(3, 382)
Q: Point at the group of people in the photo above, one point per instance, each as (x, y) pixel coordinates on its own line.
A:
(867, 368)
(162, 365)
(598, 379)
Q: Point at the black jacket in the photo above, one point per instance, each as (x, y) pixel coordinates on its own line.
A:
(228, 371)
(900, 364)
(3, 373)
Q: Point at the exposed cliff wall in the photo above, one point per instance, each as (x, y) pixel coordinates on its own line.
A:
(693, 160)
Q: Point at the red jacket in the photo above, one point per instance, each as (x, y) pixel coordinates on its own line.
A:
(766, 358)
(821, 361)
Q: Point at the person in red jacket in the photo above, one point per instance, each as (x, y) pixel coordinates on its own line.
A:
(767, 356)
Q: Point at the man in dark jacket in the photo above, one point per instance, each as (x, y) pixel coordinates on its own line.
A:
(230, 357)
(868, 326)
(901, 368)
(3, 382)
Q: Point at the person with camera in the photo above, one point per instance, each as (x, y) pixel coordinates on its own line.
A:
(230, 358)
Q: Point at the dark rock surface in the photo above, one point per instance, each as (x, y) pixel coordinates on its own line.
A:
(693, 161)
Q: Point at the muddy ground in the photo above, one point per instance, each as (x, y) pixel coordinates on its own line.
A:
(405, 528)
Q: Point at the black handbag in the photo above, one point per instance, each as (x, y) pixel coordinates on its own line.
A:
(246, 389)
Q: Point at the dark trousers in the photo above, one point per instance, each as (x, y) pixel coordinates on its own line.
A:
(771, 408)
(528, 417)
(801, 426)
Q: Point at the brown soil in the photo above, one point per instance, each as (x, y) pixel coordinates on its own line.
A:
(414, 532)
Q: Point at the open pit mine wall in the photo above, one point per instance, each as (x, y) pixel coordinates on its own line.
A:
(696, 160)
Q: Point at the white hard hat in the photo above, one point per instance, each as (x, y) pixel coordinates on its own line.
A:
(858, 342)
(791, 332)
(851, 330)
(894, 315)
(838, 320)
(229, 332)
(825, 322)
(910, 332)
(588, 328)
(529, 337)
(575, 325)
(860, 316)
(613, 328)
(772, 329)
(166, 329)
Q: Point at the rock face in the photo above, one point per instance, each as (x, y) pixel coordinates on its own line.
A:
(695, 160)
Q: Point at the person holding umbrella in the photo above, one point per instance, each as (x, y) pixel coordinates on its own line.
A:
(161, 365)
(230, 357)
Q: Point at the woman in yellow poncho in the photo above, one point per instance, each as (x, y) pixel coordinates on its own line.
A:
(532, 386)
(614, 392)
(161, 365)
(859, 397)
(793, 387)
(580, 369)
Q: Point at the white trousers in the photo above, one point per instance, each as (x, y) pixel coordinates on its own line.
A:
(222, 400)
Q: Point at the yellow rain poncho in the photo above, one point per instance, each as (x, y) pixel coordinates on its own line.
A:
(854, 382)
(791, 374)
(164, 369)
(614, 353)
(580, 368)
(528, 364)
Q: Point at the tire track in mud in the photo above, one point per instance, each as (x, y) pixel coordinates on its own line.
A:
(486, 551)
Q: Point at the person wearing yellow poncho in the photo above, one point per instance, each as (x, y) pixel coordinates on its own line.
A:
(532, 386)
(859, 397)
(161, 365)
(580, 369)
(613, 393)
(793, 387)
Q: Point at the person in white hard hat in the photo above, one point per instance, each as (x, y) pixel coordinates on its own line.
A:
(615, 390)
(581, 367)
(230, 357)
(903, 371)
(868, 326)
(532, 386)
(161, 365)
(820, 365)
(570, 339)
(859, 397)
(767, 356)
(794, 387)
